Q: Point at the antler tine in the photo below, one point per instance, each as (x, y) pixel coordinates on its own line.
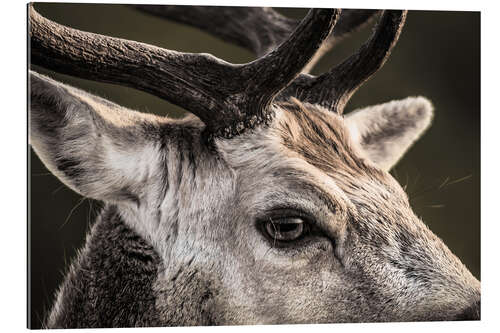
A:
(258, 29)
(228, 98)
(288, 60)
(334, 88)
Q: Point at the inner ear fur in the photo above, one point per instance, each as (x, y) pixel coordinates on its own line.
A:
(92, 145)
(386, 131)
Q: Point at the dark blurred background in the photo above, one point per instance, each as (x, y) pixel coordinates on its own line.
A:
(437, 56)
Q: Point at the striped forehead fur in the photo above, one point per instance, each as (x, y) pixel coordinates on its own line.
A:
(321, 138)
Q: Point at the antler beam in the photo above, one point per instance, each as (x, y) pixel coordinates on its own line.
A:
(228, 98)
(257, 29)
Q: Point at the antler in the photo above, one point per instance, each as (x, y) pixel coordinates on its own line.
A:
(334, 88)
(260, 30)
(228, 98)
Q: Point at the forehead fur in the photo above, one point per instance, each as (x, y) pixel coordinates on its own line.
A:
(321, 138)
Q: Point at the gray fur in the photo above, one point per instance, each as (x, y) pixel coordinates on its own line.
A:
(184, 246)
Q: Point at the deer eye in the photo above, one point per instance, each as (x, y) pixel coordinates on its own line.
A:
(285, 229)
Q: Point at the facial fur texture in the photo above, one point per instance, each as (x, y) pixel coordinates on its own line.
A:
(181, 237)
(378, 261)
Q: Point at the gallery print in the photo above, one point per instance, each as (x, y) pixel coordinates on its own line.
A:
(264, 193)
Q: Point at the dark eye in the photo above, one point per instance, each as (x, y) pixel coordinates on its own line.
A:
(285, 229)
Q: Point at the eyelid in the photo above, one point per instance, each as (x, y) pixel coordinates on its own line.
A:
(282, 213)
(289, 220)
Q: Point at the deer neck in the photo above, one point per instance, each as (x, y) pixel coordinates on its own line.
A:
(114, 282)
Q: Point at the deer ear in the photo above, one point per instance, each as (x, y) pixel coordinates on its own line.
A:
(95, 147)
(385, 132)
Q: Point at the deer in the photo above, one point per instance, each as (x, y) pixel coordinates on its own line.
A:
(267, 204)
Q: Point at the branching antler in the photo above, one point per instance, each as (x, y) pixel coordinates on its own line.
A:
(263, 29)
(334, 88)
(228, 98)
(259, 30)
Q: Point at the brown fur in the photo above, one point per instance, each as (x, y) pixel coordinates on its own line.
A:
(320, 137)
